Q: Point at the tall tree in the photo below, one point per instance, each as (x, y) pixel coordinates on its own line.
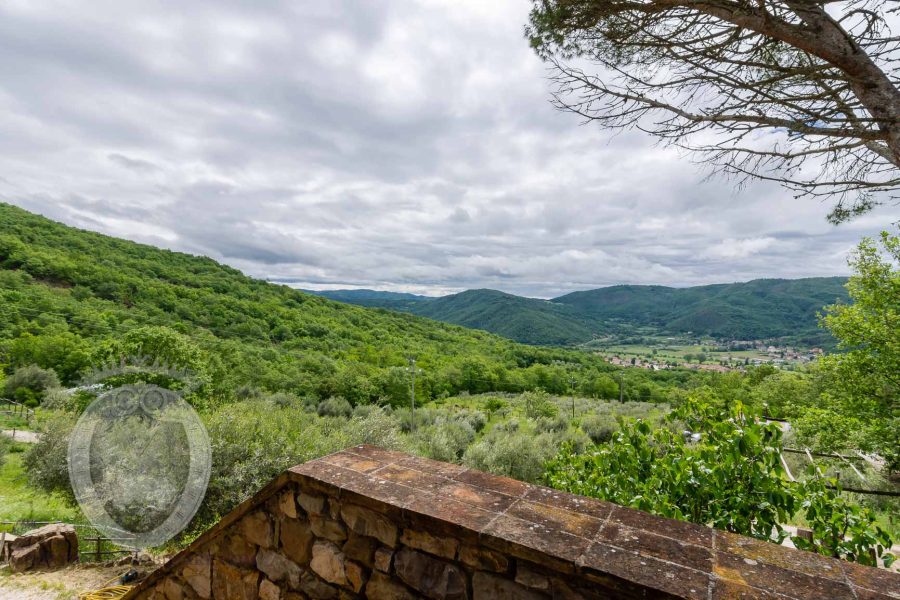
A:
(865, 379)
(803, 92)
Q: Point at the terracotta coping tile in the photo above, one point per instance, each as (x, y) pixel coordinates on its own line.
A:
(433, 467)
(601, 559)
(646, 543)
(487, 499)
(353, 462)
(411, 477)
(452, 512)
(724, 589)
(556, 518)
(864, 594)
(809, 563)
(527, 539)
(875, 580)
(510, 487)
(599, 509)
(691, 533)
(772, 578)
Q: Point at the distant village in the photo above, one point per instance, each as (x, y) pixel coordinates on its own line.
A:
(718, 358)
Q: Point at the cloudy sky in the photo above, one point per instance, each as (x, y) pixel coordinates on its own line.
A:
(395, 145)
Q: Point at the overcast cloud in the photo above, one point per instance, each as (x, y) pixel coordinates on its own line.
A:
(395, 145)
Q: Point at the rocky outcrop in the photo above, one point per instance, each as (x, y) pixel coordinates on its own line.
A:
(48, 547)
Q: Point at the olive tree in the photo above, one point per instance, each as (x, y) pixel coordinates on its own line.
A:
(803, 92)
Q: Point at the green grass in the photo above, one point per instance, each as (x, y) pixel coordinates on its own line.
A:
(675, 353)
(20, 502)
(13, 422)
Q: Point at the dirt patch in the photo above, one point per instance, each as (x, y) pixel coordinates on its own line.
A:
(21, 435)
(64, 584)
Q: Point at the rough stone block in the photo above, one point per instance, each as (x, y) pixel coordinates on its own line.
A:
(483, 559)
(48, 547)
(382, 587)
(234, 583)
(360, 548)
(269, 591)
(369, 523)
(531, 578)
(317, 589)
(383, 558)
(257, 529)
(197, 572)
(432, 577)
(278, 568)
(297, 540)
(356, 575)
(312, 503)
(236, 550)
(172, 589)
(287, 504)
(445, 547)
(329, 529)
(486, 586)
(328, 563)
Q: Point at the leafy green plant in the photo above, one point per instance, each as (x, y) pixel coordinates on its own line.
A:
(537, 404)
(335, 407)
(841, 528)
(30, 384)
(731, 478)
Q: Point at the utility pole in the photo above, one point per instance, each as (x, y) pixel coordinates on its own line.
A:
(572, 386)
(621, 386)
(412, 369)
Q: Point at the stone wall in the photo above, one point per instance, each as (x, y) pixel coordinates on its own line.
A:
(370, 523)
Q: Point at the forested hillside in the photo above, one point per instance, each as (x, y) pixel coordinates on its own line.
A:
(759, 309)
(526, 320)
(72, 299)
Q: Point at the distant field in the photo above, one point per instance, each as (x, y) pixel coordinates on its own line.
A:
(676, 353)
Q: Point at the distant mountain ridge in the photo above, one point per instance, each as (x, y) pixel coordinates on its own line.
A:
(757, 309)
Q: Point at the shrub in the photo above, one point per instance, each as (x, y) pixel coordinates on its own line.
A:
(519, 455)
(494, 404)
(538, 404)
(475, 419)
(46, 462)
(445, 441)
(552, 424)
(599, 427)
(255, 441)
(283, 399)
(30, 384)
(335, 407)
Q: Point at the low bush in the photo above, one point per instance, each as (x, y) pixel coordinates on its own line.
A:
(335, 407)
(29, 384)
(518, 455)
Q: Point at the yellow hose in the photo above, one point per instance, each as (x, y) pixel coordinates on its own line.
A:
(108, 593)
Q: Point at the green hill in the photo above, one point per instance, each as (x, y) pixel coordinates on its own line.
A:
(373, 298)
(71, 299)
(525, 320)
(758, 309)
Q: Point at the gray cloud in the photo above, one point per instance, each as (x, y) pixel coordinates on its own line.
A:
(396, 145)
